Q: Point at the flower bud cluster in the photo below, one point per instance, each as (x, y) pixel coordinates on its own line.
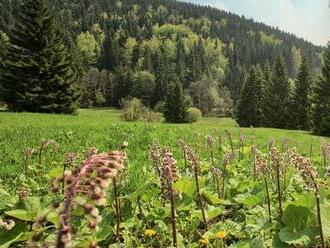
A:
(169, 172)
(306, 169)
(89, 181)
(325, 149)
(69, 158)
(7, 224)
(277, 159)
(261, 164)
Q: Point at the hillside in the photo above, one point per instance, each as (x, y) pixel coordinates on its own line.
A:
(165, 37)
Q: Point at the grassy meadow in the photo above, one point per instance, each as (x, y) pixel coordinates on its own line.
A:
(138, 215)
(104, 129)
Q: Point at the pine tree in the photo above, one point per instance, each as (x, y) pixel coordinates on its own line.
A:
(300, 102)
(39, 75)
(266, 107)
(321, 113)
(278, 97)
(249, 106)
(175, 104)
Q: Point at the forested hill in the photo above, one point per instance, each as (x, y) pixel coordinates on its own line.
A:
(159, 41)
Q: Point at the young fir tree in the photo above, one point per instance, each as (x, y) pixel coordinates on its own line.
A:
(175, 104)
(267, 78)
(249, 106)
(39, 75)
(278, 96)
(321, 113)
(300, 102)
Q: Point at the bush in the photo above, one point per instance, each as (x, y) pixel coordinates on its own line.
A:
(133, 109)
(151, 116)
(194, 114)
(160, 107)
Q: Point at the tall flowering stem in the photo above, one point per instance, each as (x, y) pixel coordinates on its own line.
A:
(90, 180)
(253, 158)
(309, 175)
(195, 164)
(262, 170)
(325, 150)
(184, 152)
(155, 156)
(170, 174)
(242, 139)
(214, 169)
(226, 160)
(27, 155)
(277, 163)
(230, 142)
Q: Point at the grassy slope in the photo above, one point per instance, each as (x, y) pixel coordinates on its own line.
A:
(104, 130)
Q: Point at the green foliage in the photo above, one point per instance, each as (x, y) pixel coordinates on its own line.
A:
(277, 97)
(88, 47)
(175, 104)
(300, 226)
(242, 214)
(249, 108)
(39, 73)
(321, 113)
(193, 115)
(133, 110)
(300, 100)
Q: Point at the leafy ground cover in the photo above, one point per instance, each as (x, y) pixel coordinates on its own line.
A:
(207, 184)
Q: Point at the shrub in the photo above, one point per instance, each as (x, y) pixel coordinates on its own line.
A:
(194, 114)
(160, 107)
(151, 116)
(133, 109)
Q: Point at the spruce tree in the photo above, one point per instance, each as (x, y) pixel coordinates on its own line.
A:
(175, 104)
(300, 102)
(278, 96)
(38, 73)
(321, 113)
(249, 106)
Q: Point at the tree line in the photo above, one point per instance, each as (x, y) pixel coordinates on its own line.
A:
(269, 98)
(58, 55)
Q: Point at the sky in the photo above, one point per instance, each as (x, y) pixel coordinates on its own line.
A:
(309, 19)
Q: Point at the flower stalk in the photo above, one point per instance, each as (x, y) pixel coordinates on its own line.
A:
(309, 174)
(195, 164)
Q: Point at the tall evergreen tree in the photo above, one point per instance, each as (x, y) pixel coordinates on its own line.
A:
(38, 73)
(249, 109)
(278, 97)
(266, 107)
(321, 114)
(300, 102)
(175, 104)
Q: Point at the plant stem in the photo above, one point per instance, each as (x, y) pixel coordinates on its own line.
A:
(173, 216)
(231, 142)
(279, 193)
(117, 208)
(201, 203)
(215, 173)
(311, 149)
(268, 200)
(223, 181)
(319, 217)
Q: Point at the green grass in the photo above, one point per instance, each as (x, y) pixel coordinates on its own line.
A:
(103, 129)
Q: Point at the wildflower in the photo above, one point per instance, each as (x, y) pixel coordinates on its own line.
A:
(91, 180)
(23, 192)
(204, 241)
(7, 224)
(221, 234)
(210, 140)
(150, 232)
(69, 158)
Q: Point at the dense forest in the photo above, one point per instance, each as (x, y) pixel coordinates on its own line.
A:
(143, 49)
